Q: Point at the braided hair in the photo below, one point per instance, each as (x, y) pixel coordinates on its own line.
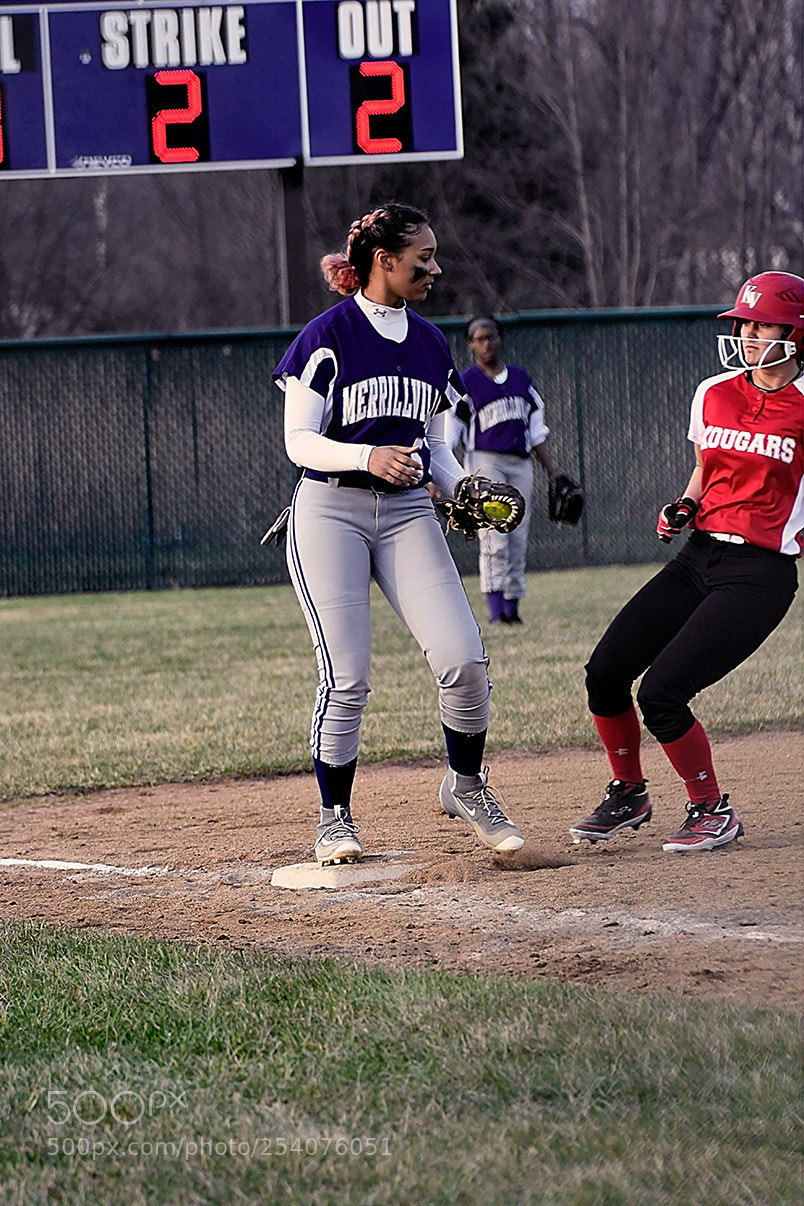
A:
(391, 227)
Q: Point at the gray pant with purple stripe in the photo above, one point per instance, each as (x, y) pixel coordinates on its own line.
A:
(339, 538)
(503, 554)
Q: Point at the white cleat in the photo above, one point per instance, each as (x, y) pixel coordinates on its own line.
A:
(337, 841)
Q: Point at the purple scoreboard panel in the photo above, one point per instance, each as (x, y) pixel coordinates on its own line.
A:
(381, 80)
(163, 86)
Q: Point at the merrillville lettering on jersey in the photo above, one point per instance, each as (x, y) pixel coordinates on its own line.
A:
(502, 411)
(168, 37)
(381, 397)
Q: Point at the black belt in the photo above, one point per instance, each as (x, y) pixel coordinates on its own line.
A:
(358, 480)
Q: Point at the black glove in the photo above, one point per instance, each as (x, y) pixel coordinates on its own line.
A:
(479, 503)
(565, 500)
(674, 517)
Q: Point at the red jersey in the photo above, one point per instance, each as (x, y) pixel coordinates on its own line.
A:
(752, 444)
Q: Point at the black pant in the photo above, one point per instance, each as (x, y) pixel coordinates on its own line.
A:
(688, 627)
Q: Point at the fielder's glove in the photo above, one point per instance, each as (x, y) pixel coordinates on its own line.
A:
(479, 503)
(565, 500)
(674, 517)
(278, 530)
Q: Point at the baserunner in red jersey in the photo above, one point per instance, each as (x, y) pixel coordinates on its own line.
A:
(729, 586)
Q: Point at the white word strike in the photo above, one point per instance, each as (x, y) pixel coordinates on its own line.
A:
(168, 37)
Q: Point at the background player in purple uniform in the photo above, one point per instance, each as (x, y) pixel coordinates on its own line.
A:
(501, 424)
(367, 385)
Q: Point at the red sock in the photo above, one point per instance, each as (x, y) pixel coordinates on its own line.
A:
(691, 756)
(621, 737)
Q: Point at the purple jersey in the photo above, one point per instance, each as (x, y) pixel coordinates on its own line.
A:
(381, 392)
(503, 416)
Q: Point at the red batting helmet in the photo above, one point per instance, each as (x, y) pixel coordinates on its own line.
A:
(773, 297)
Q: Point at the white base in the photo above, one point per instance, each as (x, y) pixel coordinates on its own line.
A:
(371, 867)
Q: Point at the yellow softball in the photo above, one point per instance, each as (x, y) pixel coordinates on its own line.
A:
(495, 508)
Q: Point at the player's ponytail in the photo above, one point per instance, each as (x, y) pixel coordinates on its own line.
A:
(391, 227)
(340, 275)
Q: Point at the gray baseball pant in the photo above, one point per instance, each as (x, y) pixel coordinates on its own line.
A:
(503, 554)
(339, 539)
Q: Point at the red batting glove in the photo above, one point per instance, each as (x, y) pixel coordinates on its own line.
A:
(674, 517)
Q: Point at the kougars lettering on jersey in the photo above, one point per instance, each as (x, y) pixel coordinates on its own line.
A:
(779, 447)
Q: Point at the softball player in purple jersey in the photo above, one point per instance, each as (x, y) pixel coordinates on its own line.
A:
(500, 425)
(367, 385)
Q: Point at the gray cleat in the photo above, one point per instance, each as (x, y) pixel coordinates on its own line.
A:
(337, 840)
(474, 801)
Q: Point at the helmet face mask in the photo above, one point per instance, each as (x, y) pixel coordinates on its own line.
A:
(775, 298)
(732, 356)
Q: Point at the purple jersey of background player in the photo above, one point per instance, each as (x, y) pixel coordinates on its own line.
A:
(500, 424)
(499, 420)
(342, 357)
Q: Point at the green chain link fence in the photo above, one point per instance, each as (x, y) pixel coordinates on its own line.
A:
(158, 461)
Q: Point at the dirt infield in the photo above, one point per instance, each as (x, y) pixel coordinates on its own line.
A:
(194, 862)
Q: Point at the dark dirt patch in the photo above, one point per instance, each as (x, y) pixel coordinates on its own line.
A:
(624, 915)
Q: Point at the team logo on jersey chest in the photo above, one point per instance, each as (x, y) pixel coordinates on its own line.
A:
(387, 396)
(779, 448)
(501, 411)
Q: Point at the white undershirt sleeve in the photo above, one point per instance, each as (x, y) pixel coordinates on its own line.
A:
(304, 443)
(454, 430)
(445, 468)
(539, 431)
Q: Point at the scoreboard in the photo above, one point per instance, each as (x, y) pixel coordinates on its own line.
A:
(163, 86)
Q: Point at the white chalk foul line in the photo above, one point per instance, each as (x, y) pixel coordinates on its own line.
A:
(56, 864)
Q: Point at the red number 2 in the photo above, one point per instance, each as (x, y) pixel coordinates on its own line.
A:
(167, 117)
(375, 108)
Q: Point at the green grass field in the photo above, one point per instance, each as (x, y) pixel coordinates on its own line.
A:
(117, 689)
(143, 1072)
(137, 1071)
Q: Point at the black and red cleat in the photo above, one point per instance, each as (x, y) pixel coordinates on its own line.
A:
(706, 827)
(624, 805)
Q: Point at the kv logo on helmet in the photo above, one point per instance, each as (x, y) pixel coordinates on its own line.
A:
(772, 298)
